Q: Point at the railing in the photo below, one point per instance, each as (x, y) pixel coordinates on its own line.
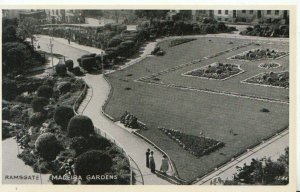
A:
(132, 164)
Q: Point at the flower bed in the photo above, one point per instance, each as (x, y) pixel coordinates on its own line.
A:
(216, 70)
(258, 54)
(269, 65)
(196, 145)
(277, 79)
(176, 42)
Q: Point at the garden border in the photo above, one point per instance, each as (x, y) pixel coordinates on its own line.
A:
(260, 66)
(262, 85)
(230, 58)
(239, 67)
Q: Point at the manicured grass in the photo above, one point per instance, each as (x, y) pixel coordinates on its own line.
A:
(235, 121)
(176, 42)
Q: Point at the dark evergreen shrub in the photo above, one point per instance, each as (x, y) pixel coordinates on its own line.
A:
(39, 103)
(37, 119)
(93, 163)
(61, 69)
(5, 113)
(98, 143)
(64, 87)
(9, 89)
(47, 146)
(62, 116)
(80, 125)
(69, 64)
(76, 71)
(45, 91)
(79, 144)
(24, 98)
(88, 63)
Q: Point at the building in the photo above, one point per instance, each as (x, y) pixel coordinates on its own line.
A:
(21, 14)
(197, 15)
(252, 16)
(57, 16)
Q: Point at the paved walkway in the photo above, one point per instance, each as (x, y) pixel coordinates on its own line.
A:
(12, 166)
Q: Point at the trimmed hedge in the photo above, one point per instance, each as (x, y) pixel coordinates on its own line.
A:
(64, 87)
(69, 64)
(62, 116)
(87, 63)
(39, 103)
(93, 163)
(37, 119)
(61, 69)
(80, 125)
(45, 91)
(47, 146)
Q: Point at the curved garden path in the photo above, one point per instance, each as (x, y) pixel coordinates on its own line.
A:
(133, 145)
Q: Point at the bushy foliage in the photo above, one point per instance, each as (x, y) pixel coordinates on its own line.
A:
(88, 63)
(37, 119)
(45, 91)
(93, 163)
(24, 98)
(9, 89)
(79, 144)
(61, 69)
(62, 116)
(39, 103)
(47, 146)
(64, 87)
(80, 125)
(69, 64)
(5, 113)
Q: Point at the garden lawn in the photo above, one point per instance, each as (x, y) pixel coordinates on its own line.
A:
(235, 121)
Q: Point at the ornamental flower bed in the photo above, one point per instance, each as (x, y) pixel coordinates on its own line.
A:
(216, 71)
(196, 145)
(176, 42)
(258, 54)
(278, 79)
(269, 65)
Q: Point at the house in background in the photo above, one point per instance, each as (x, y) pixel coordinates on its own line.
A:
(199, 14)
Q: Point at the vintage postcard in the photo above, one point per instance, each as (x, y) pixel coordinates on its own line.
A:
(170, 96)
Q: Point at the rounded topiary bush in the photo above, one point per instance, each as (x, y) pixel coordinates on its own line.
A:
(47, 146)
(79, 144)
(45, 91)
(62, 116)
(93, 163)
(37, 119)
(69, 64)
(39, 103)
(61, 69)
(88, 63)
(64, 87)
(80, 125)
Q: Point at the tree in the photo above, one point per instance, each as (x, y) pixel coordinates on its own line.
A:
(47, 146)
(263, 171)
(28, 28)
(151, 14)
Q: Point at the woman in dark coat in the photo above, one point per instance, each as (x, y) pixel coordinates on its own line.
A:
(147, 158)
(152, 162)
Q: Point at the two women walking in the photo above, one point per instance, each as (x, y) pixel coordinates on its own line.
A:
(150, 162)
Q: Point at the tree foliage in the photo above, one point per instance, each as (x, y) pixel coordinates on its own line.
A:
(27, 28)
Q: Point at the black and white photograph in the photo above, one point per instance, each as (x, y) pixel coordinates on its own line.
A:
(146, 96)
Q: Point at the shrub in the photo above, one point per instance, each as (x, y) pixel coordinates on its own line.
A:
(61, 69)
(9, 89)
(24, 99)
(64, 87)
(92, 163)
(47, 146)
(39, 103)
(62, 116)
(76, 71)
(88, 63)
(5, 113)
(69, 64)
(264, 110)
(79, 144)
(98, 143)
(37, 119)
(80, 125)
(45, 91)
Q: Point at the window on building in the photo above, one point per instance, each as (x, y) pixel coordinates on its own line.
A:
(276, 12)
(268, 12)
(219, 11)
(251, 11)
(243, 11)
(226, 12)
